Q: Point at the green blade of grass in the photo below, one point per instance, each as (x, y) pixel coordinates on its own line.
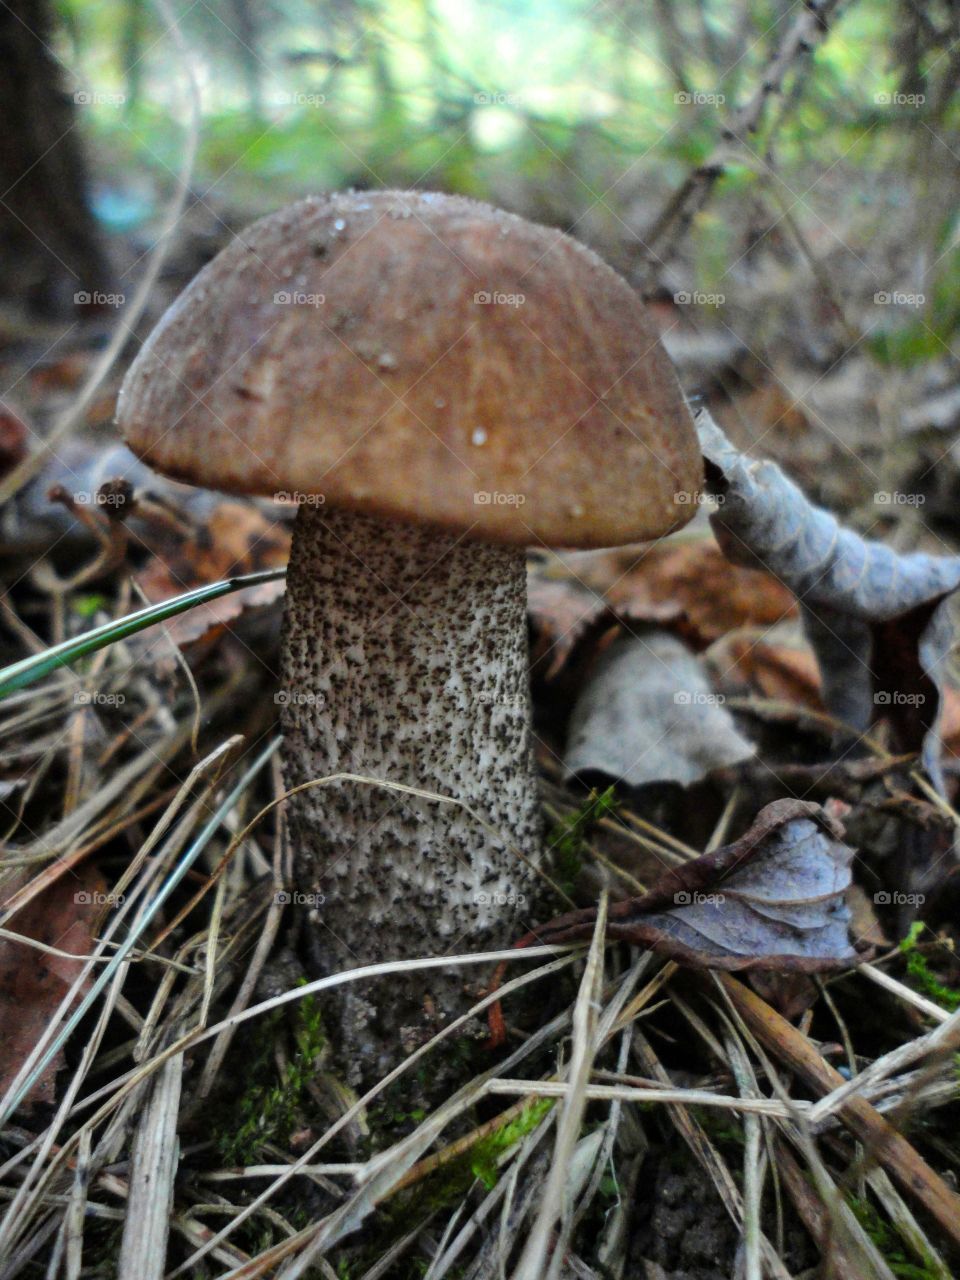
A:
(20, 674)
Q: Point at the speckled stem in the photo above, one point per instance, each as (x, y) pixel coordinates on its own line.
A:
(405, 659)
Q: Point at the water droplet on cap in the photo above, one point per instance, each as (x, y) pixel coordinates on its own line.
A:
(339, 224)
(479, 436)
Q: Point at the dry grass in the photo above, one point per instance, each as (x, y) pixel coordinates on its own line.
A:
(152, 1023)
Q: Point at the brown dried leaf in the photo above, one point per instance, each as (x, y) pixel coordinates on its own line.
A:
(777, 671)
(62, 373)
(561, 612)
(695, 583)
(32, 982)
(864, 924)
(689, 587)
(790, 993)
(950, 721)
(774, 899)
(236, 538)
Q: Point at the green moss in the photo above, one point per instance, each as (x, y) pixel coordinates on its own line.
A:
(889, 1243)
(395, 1119)
(448, 1184)
(269, 1110)
(610, 1188)
(442, 1189)
(85, 606)
(568, 838)
(720, 1126)
(400, 1107)
(484, 1156)
(918, 970)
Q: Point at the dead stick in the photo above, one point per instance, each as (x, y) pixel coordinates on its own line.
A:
(901, 1160)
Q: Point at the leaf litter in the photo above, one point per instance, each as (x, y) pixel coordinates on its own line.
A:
(784, 885)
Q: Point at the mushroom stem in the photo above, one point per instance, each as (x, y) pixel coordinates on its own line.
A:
(405, 660)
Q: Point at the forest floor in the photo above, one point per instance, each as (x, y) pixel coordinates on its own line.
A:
(707, 1156)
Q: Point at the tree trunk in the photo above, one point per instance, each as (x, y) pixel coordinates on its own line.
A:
(48, 241)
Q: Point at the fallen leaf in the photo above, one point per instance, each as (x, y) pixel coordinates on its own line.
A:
(876, 619)
(774, 899)
(950, 721)
(235, 538)
(561, 613)
(62, 373)
(864, 924)
(781, 672)
(693, 582)
(689, 586)
(13, 438)
(32, 982)
(791, 994)
(646, 713)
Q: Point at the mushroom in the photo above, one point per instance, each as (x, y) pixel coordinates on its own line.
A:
(437, 384)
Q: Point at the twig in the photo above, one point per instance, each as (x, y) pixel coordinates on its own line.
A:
(809, 29)
(895, 1153)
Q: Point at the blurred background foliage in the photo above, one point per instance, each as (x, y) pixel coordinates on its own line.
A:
(584, 115)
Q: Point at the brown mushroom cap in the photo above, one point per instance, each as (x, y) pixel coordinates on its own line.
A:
(424, 357)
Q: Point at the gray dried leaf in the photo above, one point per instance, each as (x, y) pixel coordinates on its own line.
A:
(876, 619)
(774, 899)
(647, 714)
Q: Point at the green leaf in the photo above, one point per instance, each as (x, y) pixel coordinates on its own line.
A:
(23, 673)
